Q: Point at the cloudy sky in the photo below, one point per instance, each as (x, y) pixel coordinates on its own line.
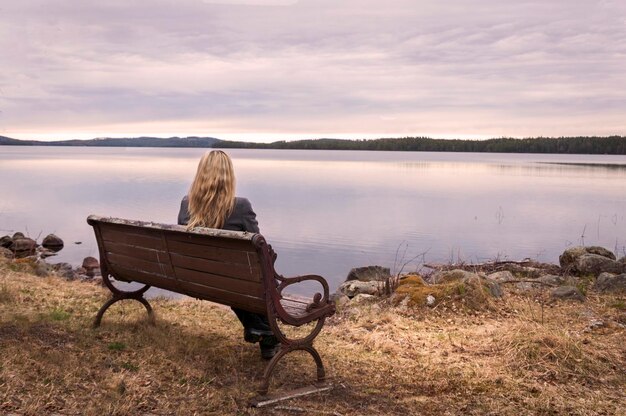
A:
(288, 69)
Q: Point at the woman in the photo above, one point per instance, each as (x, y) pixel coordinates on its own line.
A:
(211, 203)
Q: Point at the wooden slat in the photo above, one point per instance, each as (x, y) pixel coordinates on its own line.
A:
(130, 275)
(237, 271)
(162, 269)
(212, 253)
(249, 303)
(146, 238)
(220, 282)
(147, 254)
(294, 307)
(206, 240)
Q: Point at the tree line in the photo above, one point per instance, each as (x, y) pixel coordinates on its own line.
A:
(613, 145)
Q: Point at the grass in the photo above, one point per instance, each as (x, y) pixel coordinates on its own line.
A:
(488, 359)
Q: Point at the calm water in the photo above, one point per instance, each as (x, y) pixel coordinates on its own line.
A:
(328, 211)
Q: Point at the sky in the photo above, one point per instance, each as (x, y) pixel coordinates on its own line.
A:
(267, 70)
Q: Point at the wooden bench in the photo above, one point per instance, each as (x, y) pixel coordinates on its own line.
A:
(228, 267)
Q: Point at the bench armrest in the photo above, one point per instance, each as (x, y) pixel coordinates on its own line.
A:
(318, 300)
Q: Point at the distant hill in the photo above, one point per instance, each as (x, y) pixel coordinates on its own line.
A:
(119, 142)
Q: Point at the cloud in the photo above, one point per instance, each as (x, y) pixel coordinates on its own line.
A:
(313, 67)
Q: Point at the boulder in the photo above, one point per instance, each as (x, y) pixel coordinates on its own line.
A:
(355, 287)
(6, 241)
(568, 259)
(5, 252)
(45, 252)
(362, 297)
(495, 289)
(446, 276)
(595, 264)
(501, 277)
(551, 280)
(23, 247)
(368, 273)
(52, 242)
(567, 292)
(608, 282)
(18, 235)
(63, 270)
(91, 266)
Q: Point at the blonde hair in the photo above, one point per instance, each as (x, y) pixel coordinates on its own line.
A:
(212, 193)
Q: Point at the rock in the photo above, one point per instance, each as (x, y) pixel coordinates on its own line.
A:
(525, 286)
(595, 264)
(551, 280)
(501, 277)
(23, 247)
(601, 251)
(355, 287)
(41, 269)
(45, 253)
(362, 297)
(368, 273)
(6, 241)
(446, 276)
(18, 235)
(430, 300)
(568, 259)
(90, 264)
(52, 242)
(5, 252)
(608, 282)
(596, 323)
(495, 289)
(567, 292)
(341, 301)
(63, 270)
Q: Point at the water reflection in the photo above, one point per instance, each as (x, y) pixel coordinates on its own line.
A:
(326, 212)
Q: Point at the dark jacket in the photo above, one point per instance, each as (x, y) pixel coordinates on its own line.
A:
(242, 218)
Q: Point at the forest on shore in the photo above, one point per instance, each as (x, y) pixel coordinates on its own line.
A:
(611, 145)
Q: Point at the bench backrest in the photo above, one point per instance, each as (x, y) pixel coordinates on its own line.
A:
(217, 265)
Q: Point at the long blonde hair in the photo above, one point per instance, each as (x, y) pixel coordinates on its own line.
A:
(212, 193)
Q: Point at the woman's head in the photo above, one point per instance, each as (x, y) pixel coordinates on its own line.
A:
(212, 193)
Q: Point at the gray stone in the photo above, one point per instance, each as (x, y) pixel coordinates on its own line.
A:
(52, 242)
(501, 277)
(446, 276)
(45, 252)
(608, 282)
(369, 273)
(362, 297)
(6, 241)
(18, 235)
(356, 287)
(430, 300)
(341, 301)
(495, 289)
(63, 270)
(568, 259)
(90, 264)
(595, 264)
(601, 251)
(5, 252)
(23, 247)
(596, 323)
(42, 269)
(551, 279)
(567, 292)
(525, 286)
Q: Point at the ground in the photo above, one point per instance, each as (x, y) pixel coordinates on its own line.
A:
(519, 355)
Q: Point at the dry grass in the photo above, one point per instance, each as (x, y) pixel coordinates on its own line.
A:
(383, 360)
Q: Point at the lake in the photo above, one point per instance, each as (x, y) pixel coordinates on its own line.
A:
(326, 212)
